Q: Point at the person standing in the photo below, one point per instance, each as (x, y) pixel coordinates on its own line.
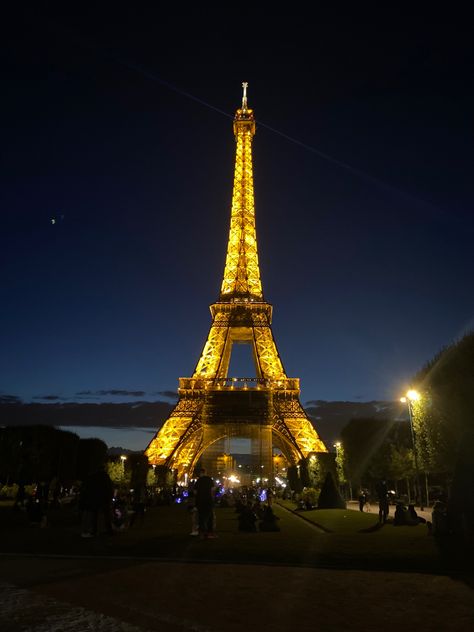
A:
(96, 500)
(204, 489)
(382, 493)
(138, 504)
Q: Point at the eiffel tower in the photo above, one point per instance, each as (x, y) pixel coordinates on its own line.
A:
(212, 406)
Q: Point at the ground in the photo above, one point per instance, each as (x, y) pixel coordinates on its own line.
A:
(155, 576)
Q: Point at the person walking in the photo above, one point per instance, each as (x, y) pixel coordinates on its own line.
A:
(204, 489)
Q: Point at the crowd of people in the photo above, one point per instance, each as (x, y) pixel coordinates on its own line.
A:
(253, 506)
(405, 514)
(105, 509)
(102, 508)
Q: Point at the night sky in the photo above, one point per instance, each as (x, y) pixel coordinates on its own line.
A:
(116, 184)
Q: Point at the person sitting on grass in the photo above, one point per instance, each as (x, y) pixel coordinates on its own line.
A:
(416, 519)
(269, 520)
(402, 517)
(248, 518)
(399, 518)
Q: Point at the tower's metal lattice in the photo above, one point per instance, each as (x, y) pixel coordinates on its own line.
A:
(211, 404)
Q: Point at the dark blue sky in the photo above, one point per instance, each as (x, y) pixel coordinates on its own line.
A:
(119, 133)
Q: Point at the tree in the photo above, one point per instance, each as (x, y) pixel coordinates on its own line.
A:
(377, 449)
(444, 415)
(341, 465)
(116, 471)
(330, 497)
(92, 453)
(293, 479)
(362, 439)
(31, 454)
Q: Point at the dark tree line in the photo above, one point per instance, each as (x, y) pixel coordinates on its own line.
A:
(377, 449)
(29, 454)
(443, 423)
(444, 415)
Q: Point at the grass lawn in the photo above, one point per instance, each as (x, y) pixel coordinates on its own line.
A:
(347, 541)
(355, 539)
(304, 576)
(336, 520)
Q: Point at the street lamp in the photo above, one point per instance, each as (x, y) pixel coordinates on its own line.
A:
(123, 458)
(410, 397)
(340, 469)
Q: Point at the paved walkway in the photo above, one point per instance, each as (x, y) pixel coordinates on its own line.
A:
(373, 507)
(107, 596)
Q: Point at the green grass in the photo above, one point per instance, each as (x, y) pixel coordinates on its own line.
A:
(356, 537)
(165, 534)
(341, 521)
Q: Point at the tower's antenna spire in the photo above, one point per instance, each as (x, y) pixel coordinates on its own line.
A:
(245, 85)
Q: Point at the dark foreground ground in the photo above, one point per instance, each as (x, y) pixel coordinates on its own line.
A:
(155, 576)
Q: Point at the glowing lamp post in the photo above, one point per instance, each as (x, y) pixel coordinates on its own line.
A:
(276, 469)
(340, 469)
(410, 397)
(123, 458)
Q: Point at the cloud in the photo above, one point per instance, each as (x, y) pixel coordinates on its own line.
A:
(127, 415)
(145, 430)
(49, 398)
(167, 394)
(113, 391)
(10, 399)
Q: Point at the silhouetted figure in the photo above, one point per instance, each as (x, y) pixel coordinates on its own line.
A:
(248, 518)
(362, 500)
(414, 517)
(400, 517)
(193, 512)
(204, 495)
(96, 500)
(37, 506)
(270, 496)
(138, 505)
(35, 512)
(258, 508)
(382, 495)
(119, 512)
(239, 505)
(269, 520)
(439, 519)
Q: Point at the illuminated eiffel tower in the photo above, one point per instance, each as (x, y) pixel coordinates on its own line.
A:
(213, 406)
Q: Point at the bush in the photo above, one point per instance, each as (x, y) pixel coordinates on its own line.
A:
(330, 497)
(8, 492)
(310, 496)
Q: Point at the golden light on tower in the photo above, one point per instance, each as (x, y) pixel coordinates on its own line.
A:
(211, 404)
